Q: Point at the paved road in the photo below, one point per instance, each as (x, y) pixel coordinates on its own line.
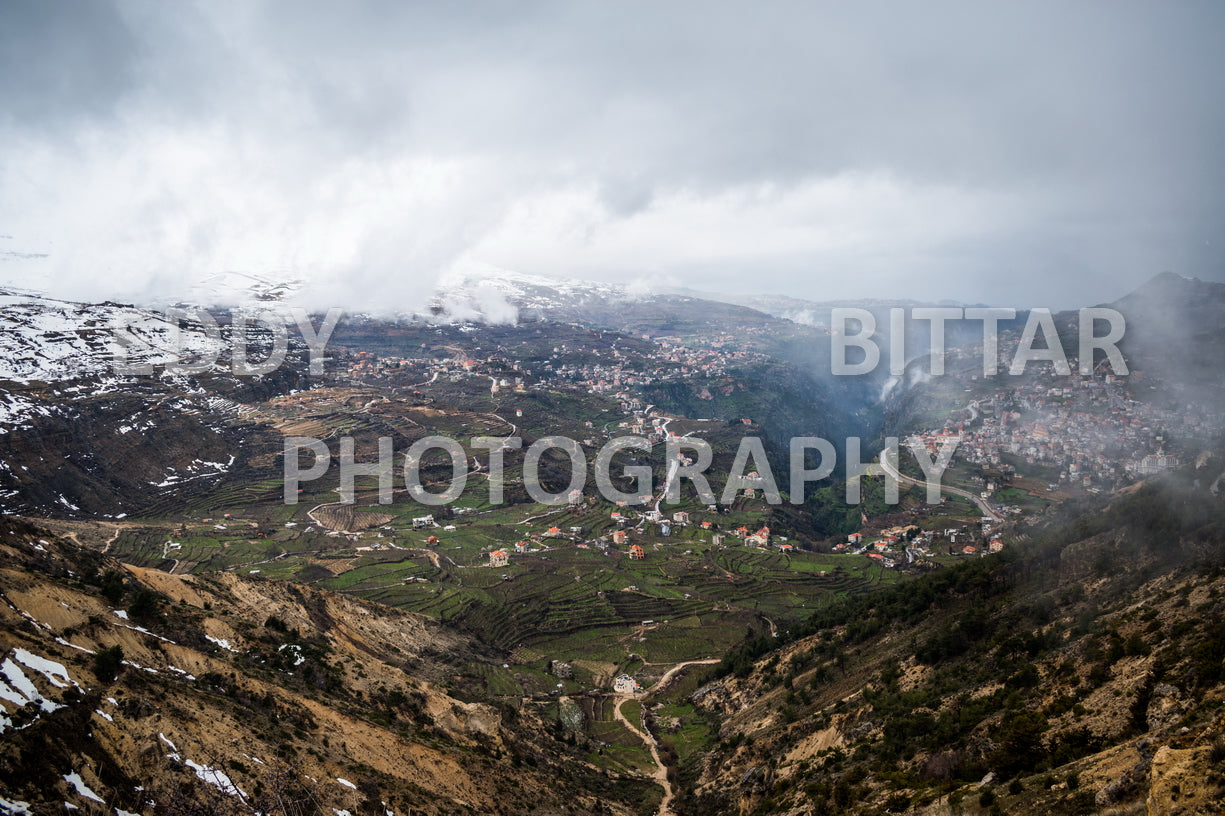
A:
(891, 470)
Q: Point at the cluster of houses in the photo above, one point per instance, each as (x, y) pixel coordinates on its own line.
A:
(761, 538)
(707, 358)
(501, 558)
(611, 370)
(1082, 444)
(890, 546)
(1077, 424)
(363, 365)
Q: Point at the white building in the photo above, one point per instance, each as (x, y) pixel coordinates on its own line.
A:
(626, 685)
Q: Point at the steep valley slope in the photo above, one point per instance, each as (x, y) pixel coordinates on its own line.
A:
(1079, 672)
(141, 690)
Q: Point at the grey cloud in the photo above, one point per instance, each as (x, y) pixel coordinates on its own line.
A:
(1077, 143)
(63, 60)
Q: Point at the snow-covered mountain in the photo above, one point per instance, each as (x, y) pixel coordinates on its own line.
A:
(105, 407)
(234, 288)
(499, 296)
(47, 340)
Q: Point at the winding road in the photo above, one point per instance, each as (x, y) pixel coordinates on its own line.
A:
(891, 470)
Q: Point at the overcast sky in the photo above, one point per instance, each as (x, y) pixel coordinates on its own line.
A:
(1025, 153)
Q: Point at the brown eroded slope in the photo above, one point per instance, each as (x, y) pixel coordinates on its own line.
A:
(234, 691)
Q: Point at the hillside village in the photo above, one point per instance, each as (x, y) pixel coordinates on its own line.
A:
(595, 369)
(1071, 433)
(637, 533)
(1095, 432)
(610, 409)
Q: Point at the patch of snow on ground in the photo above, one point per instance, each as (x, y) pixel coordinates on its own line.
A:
(297, 652)
(138, 666)
(222, 642)
(22, 684)
(217, 778)
(82, 789)
(12, 807)
(52, 670)
(63, 642)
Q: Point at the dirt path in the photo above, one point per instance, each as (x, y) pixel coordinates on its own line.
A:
(435, 558)
(76, 539)
(670, 673)
(661, 770)
(543, 515)
(514, 429)
(166, 556)
(310, 514)
(86, 534)
(114, 537)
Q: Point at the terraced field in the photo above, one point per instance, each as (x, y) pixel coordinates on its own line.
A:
(566, 598)
(562, 601)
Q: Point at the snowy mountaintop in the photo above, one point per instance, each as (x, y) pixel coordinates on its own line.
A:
(47, 340)
(491, 295)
